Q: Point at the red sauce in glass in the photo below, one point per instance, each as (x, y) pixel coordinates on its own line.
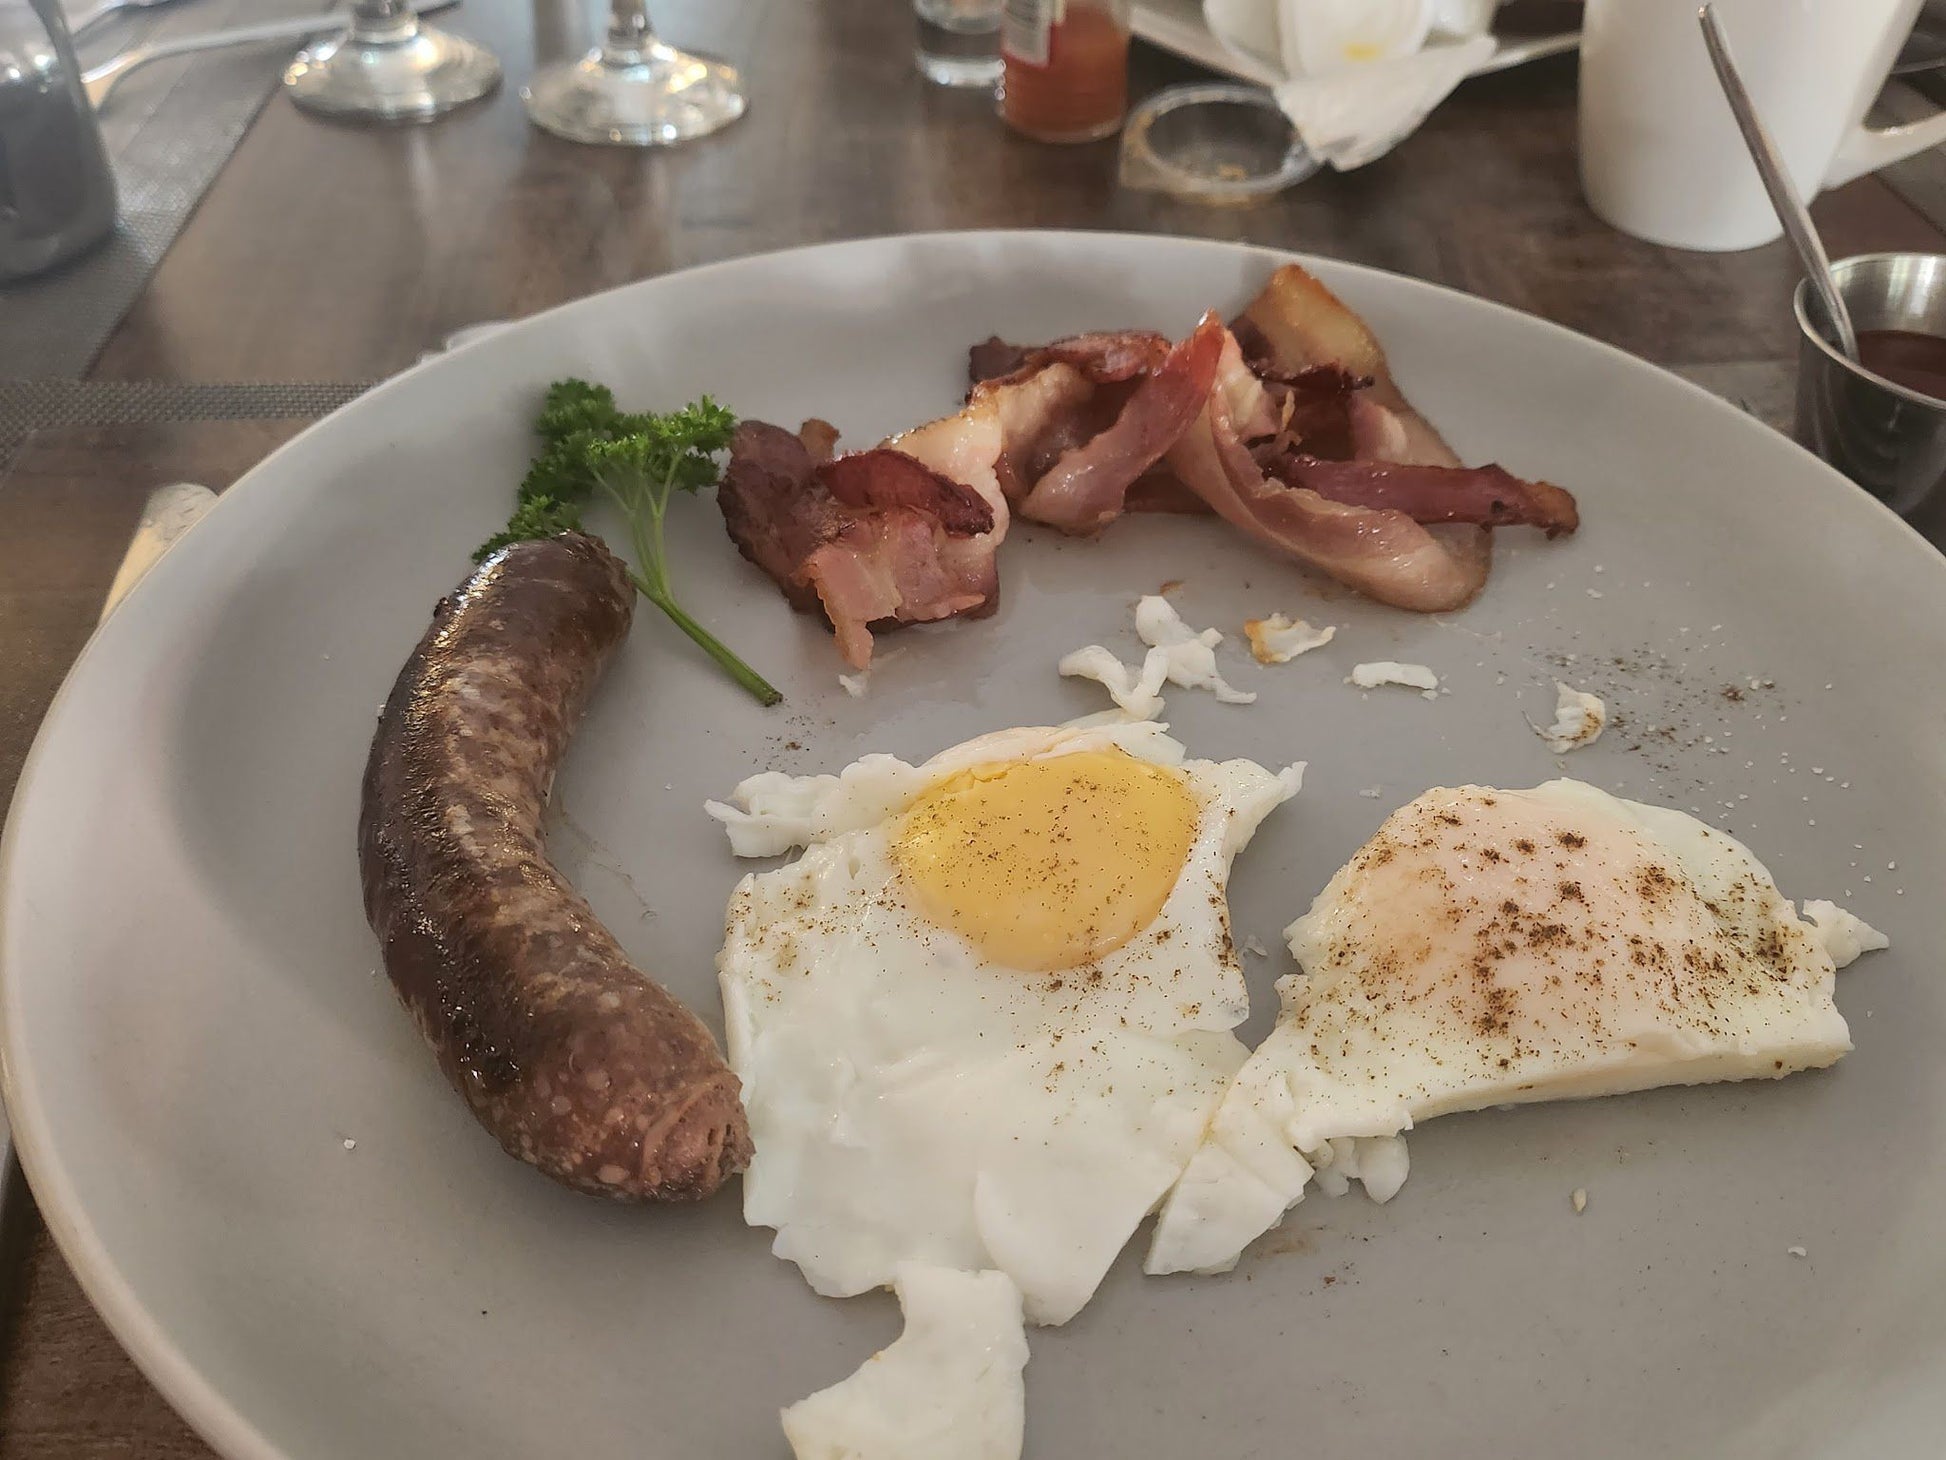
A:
(1081, 92)
(1906, 357)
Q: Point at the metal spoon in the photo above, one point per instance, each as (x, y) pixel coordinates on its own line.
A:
(1777, 182)
(98, 81)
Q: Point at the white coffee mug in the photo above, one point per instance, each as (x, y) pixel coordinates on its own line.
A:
(1661, 156)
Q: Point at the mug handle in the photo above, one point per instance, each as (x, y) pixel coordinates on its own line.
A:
(1867, 149)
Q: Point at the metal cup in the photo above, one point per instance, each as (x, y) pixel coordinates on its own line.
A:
(1888, 439)
(57, 193)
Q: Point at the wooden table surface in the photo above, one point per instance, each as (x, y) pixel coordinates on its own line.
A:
(335, 253)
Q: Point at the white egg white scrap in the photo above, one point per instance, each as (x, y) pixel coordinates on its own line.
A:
(1136, 693)
(1579, 719)
(949, 1387)
(1844, 936)
(1190, 653)
(1279, 639)
(912, 1100)
(1492, 947)
(1390, 671)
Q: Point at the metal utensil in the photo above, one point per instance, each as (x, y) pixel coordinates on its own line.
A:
(103, 79)
(1777, 183)
(108, 10)
(1888, 438)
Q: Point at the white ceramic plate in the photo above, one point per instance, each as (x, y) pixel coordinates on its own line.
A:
(194, 1028)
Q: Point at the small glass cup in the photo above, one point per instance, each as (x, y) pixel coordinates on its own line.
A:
(389, 68)
(634, 91)
(1885, 436)
(1213, 142)
(958, 42)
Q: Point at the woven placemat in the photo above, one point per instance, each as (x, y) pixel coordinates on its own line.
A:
(34, 405)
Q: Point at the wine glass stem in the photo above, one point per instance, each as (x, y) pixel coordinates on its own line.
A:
(629, 32)
(382, 22)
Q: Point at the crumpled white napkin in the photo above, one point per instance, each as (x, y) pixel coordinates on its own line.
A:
(1356, 115)
(1362, 75)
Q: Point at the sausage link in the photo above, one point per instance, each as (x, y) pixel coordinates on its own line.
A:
(577, 1062)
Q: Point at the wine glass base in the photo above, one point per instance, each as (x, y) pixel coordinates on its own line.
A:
(651, 97)
(408, 80)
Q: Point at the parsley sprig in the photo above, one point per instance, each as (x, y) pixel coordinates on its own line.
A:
(637, 461)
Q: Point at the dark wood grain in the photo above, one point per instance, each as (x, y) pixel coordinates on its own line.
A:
(67, 507)
(330, 252)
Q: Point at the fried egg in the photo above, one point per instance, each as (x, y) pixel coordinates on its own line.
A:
(1492, 947)
(983, 1021)
(949, 1388)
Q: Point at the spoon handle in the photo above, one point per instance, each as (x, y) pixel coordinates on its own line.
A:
(1777, 182)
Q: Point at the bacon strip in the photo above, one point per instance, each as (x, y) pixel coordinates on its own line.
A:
(1044, 413)
(1381, 552)
(993, 358)
(1104, 356)
(1296, 324)
(884, 478)
(1086, 488)
(1107, 356)
(873, 539)
(1488, 496)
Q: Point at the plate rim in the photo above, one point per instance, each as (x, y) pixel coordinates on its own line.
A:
(141, 1334)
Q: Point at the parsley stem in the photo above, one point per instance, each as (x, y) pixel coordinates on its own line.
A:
(762, 689)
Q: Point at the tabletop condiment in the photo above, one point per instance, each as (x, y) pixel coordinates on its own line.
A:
(1064, 74)
(1906, 357)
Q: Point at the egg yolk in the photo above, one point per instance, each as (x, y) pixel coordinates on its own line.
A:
(1049, 864)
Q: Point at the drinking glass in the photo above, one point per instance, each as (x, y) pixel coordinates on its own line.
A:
(388, 67)
(633, 90)
(958, 41)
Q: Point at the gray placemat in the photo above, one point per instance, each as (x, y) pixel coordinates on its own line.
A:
(169, 128)
(33, 405)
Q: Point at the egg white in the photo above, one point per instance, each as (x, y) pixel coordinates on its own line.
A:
(911, 1101)
(1493, 947)
(949, 1388)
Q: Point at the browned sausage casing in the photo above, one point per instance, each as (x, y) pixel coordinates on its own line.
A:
(573, 1058)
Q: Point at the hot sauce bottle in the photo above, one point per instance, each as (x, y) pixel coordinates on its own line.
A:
(1064, 74)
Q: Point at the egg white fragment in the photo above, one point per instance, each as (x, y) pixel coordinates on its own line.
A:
(1278, 640)
(1492, 947)
(1190, 654)
(912, 1100)
(1579, 719)
(1137, 694)
(948, 1388)
(1844, 936)
(1390, 671)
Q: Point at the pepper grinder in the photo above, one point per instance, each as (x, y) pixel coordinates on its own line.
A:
(57, 192)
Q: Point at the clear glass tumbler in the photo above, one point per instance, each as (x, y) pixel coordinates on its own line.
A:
(634, 91)
(388, 67)
(958, 41)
